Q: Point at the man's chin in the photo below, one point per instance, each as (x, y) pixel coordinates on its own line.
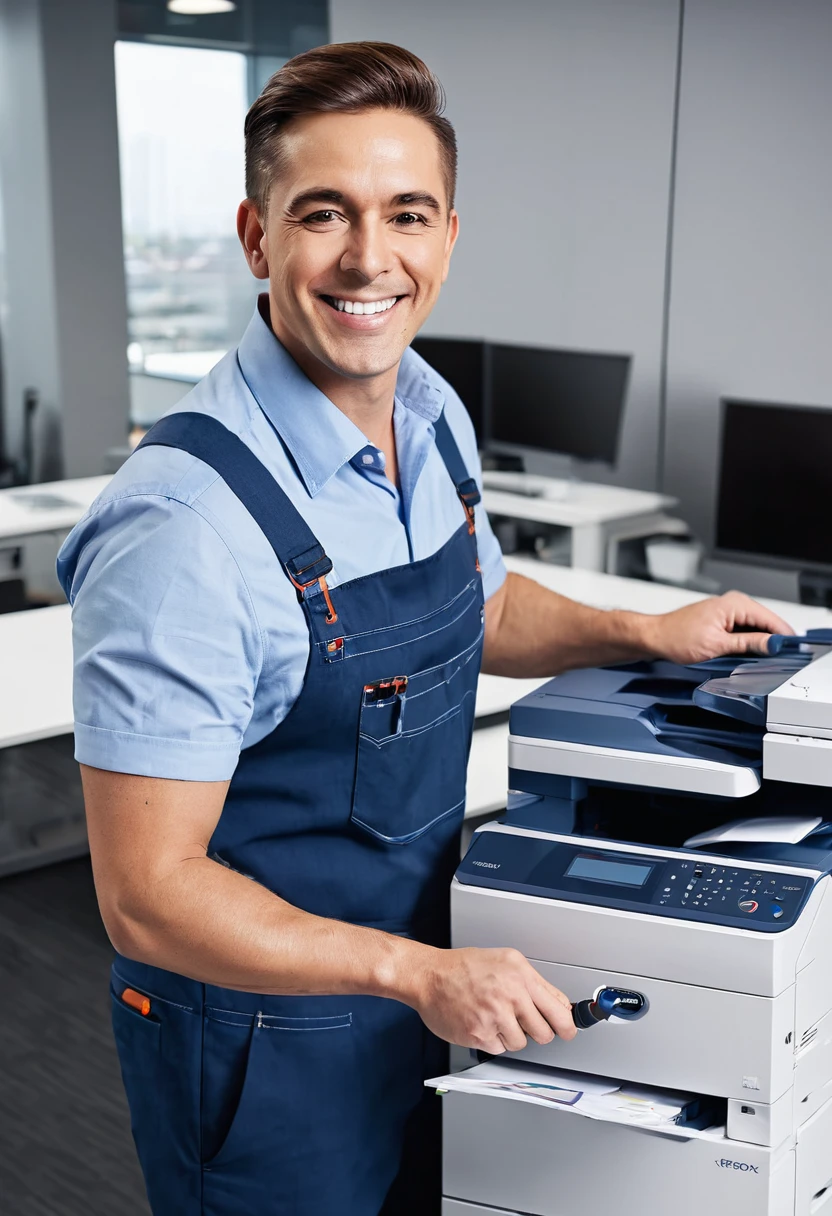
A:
(366, 364)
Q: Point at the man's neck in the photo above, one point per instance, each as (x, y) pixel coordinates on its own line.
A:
(367, 402)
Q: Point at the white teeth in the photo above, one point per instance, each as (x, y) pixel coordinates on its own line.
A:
(361, 308)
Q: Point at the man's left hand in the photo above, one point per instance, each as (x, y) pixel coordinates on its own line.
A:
(705, 630)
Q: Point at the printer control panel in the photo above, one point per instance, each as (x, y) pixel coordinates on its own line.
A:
(757, 895)
(687, 888)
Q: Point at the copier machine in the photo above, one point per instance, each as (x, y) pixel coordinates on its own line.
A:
(613, 867)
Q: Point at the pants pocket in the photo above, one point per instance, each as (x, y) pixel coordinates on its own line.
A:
(159, 1057)
(258, 1074)
(276, 1119)
(322, 1106)
(138, 1040)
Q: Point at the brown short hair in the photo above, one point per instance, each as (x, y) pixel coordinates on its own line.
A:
(344, 78)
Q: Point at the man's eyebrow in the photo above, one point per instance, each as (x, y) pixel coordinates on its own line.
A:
(417, 198)
(317, 194)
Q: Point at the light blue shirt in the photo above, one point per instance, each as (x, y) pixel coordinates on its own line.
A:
(189, 641)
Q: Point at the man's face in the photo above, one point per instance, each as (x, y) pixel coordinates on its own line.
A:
(357, 239)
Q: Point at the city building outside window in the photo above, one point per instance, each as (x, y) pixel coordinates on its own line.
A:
(189, 291)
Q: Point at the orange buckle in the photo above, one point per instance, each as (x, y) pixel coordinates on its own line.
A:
(136, 1001)
(331, 616)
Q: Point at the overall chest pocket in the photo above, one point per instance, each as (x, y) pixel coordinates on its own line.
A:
(414, 738)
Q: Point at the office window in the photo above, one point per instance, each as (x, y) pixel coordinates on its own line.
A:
(180, 117)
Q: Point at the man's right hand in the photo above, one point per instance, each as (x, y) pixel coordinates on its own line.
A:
(490, 1000)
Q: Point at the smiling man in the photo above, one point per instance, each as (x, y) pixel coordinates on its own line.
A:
(281, 605)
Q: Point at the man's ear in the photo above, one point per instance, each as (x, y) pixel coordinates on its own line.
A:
(252, 236)
(450, 241)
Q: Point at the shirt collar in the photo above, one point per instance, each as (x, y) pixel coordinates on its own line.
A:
(320, 438)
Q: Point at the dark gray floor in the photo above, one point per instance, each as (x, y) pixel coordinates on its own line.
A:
(65, 1145)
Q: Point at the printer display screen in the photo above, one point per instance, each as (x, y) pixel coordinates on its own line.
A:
(600, 869)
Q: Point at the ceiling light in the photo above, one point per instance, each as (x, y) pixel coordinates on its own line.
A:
(200, 8)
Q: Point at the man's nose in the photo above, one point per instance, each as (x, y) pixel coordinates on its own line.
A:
(368, 252)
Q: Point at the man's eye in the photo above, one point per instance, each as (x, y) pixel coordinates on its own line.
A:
(409, 218)
(320, 217)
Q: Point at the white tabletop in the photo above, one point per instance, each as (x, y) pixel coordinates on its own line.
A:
(638, 595)
(583, 502)
(52, 506)
(36, 666)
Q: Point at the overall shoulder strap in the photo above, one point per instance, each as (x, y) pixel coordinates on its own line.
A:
(291, 538)
(466, 486)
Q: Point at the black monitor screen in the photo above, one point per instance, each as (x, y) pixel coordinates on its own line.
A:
(564, 401)
(460, 362)
(775, 475)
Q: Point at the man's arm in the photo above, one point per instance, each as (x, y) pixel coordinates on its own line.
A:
(531, 631)
(165, 902)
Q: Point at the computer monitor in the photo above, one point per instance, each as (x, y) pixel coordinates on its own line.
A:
(774, 478)
(460, 361)
(565, 401)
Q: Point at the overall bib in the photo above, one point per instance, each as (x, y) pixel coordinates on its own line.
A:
(251, 1105)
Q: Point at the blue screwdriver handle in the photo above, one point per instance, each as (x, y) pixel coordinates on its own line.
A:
(778, 642)
(596, 1009)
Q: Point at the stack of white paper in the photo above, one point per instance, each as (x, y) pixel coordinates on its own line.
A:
(590, 1096)
(785, 829)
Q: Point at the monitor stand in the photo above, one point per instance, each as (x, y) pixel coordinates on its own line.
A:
(505, 472)
(502, 462)
(815, 587)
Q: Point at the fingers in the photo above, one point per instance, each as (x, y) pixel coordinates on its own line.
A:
(746, 643)
(556, 1009)
(747, 611)
(534, 1024)
(512, 1036)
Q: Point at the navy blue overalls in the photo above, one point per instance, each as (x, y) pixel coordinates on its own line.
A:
(250, 1105)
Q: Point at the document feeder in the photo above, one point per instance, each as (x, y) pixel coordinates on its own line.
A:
(729, 944)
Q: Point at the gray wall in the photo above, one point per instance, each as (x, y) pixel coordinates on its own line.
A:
(751, 295)
(564, 114)
(66, 328)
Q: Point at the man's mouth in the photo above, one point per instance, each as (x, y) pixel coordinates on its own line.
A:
(361, 307)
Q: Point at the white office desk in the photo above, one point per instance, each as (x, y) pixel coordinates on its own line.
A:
(34, 521)
(596, 515)
(52, 506)
(638, 595)
(36, 687)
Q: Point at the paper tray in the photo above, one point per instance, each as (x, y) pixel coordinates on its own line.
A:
(573, 1093)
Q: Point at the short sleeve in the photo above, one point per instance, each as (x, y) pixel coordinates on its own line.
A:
(167, 648)
(488, 547)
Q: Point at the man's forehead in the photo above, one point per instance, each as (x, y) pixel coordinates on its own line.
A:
(376, 151)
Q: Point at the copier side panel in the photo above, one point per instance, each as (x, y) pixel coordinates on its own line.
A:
(813, 1071)
(814, 968)
(813, 1195)
(517, 1157)
(707, 1040)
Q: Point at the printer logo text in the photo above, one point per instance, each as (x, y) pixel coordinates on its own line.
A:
(745, 1166)
(487, 865)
